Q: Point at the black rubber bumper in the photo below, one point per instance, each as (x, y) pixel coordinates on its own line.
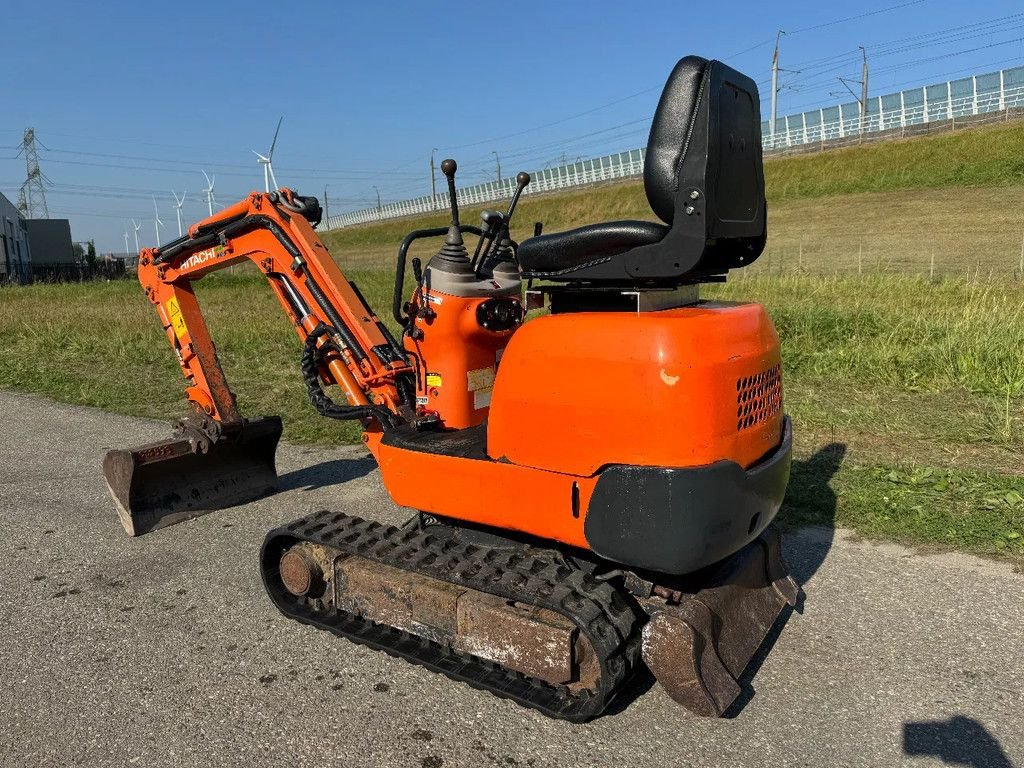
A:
(677, 521)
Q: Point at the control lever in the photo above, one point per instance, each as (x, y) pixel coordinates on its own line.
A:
(492, 221)
(522, 179)
(500, 248)
(453, 253)
(448, 168)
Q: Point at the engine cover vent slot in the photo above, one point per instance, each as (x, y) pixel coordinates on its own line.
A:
(758, 398)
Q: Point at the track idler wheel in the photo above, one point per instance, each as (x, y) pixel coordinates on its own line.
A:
(302, 570)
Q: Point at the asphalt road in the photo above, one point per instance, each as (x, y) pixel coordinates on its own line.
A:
(164, 650)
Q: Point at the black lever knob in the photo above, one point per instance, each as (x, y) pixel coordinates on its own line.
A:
(448, 168)
(522, 179)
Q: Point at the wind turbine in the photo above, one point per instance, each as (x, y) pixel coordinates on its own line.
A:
(266, 160)
(156, 223)
(209, 192)
(137, 226)
(126, 251)
(178, 203)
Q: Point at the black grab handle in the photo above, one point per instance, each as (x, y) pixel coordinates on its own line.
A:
(403, 250)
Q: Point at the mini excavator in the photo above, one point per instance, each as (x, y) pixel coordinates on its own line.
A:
(592, 489)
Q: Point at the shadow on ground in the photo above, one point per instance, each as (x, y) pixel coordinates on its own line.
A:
(958, 741)
(327, 473)
(810, 500)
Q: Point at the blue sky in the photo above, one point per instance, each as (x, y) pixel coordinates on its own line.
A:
(133, 99)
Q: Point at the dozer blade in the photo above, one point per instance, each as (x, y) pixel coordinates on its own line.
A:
(193, 473)
(699, 648)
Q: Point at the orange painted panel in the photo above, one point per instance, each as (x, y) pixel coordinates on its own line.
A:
(488, 492)
(456, 360)
(676, 388)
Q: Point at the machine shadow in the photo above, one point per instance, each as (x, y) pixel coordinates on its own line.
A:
(327, 473)
(958, 741)
(810, 501)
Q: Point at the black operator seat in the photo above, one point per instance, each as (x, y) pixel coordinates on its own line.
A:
(704, 179)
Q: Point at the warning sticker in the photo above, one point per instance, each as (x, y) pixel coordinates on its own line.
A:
(176, 318)
(433, 379)
(481, 378)
(482, 398)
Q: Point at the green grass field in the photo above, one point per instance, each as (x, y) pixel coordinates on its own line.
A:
(907, 393)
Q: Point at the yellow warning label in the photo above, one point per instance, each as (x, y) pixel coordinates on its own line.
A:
(433, 379)
(481, 378)
(176, 318)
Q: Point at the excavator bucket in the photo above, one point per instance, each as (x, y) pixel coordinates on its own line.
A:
(192, 473)
(699, 649)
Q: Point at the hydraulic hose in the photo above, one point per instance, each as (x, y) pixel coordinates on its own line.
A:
(312, 357)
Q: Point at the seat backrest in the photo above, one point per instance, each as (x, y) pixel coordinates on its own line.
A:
(703, 172)
(703, 177)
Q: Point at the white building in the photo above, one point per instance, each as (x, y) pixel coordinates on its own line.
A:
(15, 257)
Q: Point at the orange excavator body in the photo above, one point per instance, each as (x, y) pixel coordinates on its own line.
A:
(574, 393)
(615, 462)
(460, 359)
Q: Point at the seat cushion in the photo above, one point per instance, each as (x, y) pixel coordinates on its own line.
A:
(564, 252)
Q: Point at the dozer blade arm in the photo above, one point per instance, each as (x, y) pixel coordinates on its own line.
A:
(218, 458)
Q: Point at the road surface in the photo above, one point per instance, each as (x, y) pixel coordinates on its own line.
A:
(163, 650)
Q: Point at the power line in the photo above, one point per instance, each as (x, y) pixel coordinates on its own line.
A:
(854, 18)
(838, 62)
(356, 175)
(916, 62)
(914, 82)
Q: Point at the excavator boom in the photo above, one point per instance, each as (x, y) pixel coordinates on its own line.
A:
(218, 458)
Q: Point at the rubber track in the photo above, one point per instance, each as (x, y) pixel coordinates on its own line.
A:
(525, 574)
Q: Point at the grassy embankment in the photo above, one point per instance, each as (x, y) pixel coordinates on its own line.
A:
(907, 393)
(888, 207)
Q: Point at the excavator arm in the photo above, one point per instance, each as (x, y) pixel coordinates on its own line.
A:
(275, 232)
(218, 458)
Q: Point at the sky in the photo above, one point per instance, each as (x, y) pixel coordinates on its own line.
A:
(133, 100)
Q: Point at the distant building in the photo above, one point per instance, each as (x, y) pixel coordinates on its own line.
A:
(52, 252)
(15, 255)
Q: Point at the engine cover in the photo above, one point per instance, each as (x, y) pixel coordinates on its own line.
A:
(682, 387)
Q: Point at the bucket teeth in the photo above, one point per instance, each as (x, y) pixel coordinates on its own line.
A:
(196, 472)
(699, 649)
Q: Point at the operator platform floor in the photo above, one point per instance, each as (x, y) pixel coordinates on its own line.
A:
(164, 650)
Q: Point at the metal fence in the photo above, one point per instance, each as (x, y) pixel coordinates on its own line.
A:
(618, 166)
(976, 95)
(986, 94)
